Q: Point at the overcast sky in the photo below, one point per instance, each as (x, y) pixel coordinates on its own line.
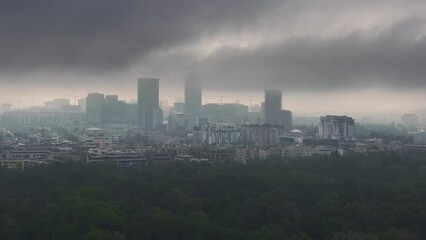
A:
(324, 54)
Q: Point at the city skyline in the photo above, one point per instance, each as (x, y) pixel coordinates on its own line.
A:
(256, 98)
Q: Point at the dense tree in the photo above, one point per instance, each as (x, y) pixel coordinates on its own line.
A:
(376, 196)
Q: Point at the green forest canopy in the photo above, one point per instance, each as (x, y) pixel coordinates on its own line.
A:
(376, 196)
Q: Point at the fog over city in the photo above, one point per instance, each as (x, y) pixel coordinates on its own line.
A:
(213, 119)
(348, 57)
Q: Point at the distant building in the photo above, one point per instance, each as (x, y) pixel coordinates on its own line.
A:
(215, 155)
(57, 103)
(212, 109)
(31, 118)
(183, 121)
(273, 106)
(415, 148)
(336, 127)
(409, 120)
(225, 109)
(108, 109)
(306, 151)
(5, 107)
(188, 122)
(193, 95)
(178, 107)
(265, 135)
(150, 113)
(95, 105)
(132, 113)
(224, 120)
(218, 135)
(286, 120)
(121, 159)
(235, 109)
(82, 104)
(115, 110)
(256, 108)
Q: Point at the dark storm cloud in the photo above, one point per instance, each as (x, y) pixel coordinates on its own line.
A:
(107, 34)
(302, 45)
(392, 58)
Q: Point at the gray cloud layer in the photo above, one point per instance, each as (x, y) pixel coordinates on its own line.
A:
(237, 44)
(395, 57)
(105, 34)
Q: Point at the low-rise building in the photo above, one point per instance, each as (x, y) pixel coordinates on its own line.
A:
(121, 159)
(306, 151)
(218, 135)
(215, 155)
(263, 135)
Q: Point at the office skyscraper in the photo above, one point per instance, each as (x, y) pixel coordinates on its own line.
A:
(274, 113)
(150, 114)
(193, 95)
(273, 106)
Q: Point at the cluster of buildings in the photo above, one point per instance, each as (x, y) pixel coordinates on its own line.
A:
(103, 128)
(193, 114)
(188, 115)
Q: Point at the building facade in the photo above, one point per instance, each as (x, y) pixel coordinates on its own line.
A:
(95, 105)
(410, 120)
(273, 106)
(193, 95)
(336, 127)
(218, 135)
(265, 135)
(150, 113)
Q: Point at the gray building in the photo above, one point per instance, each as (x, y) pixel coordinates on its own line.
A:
(273, 112)
(286, 120)
(115, 110)
(219, 135)
(178, 108)
(95, 104)
(409, 120)
(336, 127)
(150, 113)
(263, 135)
(57, 103)
(82, 104)
(193, 95)
(273, 106)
